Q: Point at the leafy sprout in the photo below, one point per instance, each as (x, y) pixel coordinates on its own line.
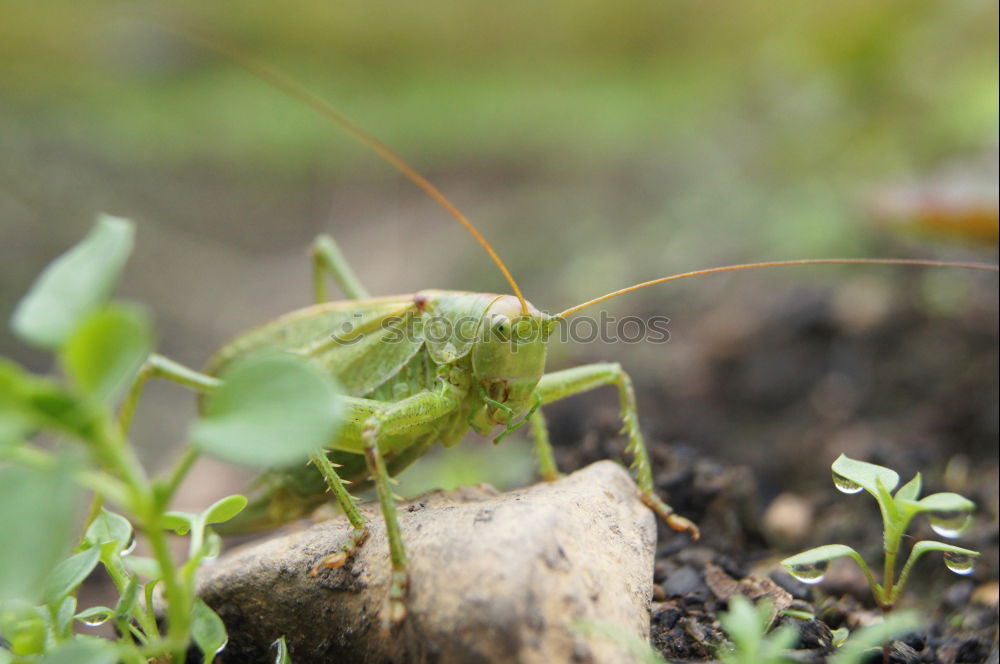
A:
(101, 347)
(949, 514)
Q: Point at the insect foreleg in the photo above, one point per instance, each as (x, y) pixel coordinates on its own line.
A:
(562, 384)
(327, 258)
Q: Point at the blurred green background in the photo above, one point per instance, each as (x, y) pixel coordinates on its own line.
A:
(596, 144)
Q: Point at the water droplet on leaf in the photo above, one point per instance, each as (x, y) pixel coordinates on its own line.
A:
(960, 563)
(951, 523)
(96, 619)
(845, 485)
(810, 573)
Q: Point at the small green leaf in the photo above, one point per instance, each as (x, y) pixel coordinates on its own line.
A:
(281, 655)
(945, 502)
(865, 474)
(744, 623)
(106, 350)
(70, 573)
(109, 527)
(893, 625)
(958, 560)
(42, 402)
(207, 629)
(129, 597)
(840, 636)
(63, 620)
(36, 520)
(147, 568)
(74, 284)
(179, 522)
(212, 546)
(883, 495)
(84, 649)
(271, 410)
(225, 509)
(810, 566)
(910, 490)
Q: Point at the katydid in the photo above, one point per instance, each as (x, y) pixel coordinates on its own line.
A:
(421, 369)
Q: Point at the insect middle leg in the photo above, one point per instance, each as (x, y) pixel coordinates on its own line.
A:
(562, 384)
(543, 448)
(379, 422)
(328, 259)
(354, 516)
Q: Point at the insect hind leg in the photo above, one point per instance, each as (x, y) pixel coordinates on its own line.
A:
(158, 366)
(329, 259)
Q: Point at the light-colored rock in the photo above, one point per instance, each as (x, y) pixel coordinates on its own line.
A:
(494, 578)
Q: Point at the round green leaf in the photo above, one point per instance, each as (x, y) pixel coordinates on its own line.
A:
(207, 629)
(36, 521)
(271, 410)
(74, 284)
(945, 502)
(109, 527)
(106, 350)
(865, 475)
(179, 522)
(225, 509)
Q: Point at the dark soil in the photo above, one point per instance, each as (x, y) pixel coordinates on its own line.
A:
(746, 454)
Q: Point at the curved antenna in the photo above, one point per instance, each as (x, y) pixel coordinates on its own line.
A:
(281, 81)
(753, 266)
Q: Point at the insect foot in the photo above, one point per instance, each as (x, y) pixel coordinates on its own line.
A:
(491, 578)
(672, 518)
(335, 560)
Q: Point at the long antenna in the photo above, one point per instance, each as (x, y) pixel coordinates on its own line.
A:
(285, 83)
(754, 266)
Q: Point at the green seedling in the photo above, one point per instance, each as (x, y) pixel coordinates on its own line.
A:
(747, 626)
(99, 346)
(949, 514)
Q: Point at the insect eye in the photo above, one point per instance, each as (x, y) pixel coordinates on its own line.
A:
(501, 327)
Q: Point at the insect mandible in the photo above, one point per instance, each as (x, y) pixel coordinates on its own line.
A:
(421, 369)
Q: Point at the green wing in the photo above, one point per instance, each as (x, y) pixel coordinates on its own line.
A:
(361, 362)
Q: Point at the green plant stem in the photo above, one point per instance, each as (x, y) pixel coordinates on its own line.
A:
(120, 577)
(177, 595)
(114, 452)
(169, 486)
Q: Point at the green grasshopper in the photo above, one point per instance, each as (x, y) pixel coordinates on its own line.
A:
(418, 370)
